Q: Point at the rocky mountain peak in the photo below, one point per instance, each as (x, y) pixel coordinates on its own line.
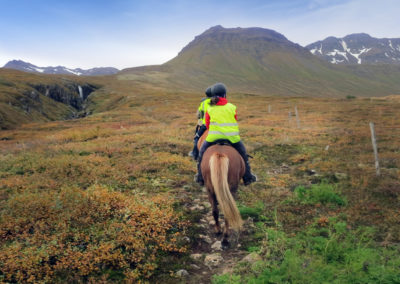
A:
(357, 48)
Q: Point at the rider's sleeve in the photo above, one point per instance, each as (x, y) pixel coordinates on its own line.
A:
(207, 120)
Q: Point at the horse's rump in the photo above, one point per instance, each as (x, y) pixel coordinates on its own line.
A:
(222, 169)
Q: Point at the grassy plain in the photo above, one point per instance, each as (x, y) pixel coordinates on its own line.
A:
(104, 198)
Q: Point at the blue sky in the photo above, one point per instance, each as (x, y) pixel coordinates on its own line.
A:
(127, 33)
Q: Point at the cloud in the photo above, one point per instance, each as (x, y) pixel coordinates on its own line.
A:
(378, 18)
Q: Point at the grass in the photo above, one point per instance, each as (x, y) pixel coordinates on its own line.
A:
(324, 253)
(319, 193)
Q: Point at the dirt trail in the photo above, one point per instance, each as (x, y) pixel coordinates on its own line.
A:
(206, 255)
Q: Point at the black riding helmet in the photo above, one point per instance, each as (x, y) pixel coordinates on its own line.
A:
(208, 92)
(218, 90)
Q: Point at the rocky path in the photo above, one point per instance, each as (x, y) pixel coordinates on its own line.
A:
(207, 258)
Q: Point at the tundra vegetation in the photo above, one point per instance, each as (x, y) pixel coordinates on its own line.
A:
(103, 198)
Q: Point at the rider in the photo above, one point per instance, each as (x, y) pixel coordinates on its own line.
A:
(221, 121)
(201, 126)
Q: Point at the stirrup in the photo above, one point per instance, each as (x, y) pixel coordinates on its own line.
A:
(250, 180)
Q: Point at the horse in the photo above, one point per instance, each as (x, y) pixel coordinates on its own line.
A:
(222, 168)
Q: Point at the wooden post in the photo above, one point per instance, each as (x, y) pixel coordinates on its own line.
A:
(290, 117)
(269, 108)
(297, 117)
(374, 145)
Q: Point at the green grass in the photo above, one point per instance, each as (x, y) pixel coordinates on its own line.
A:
(322, 254)
(319, 193)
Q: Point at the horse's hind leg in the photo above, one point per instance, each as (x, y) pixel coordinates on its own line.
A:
(214, 205)
(225, 242)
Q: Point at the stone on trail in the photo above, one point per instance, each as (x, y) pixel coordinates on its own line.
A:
(216, 246)
(213, 260)
(182, 273)
(252, 257)
(194, 266)
(196, 256)
(196, 207)
(205, 238)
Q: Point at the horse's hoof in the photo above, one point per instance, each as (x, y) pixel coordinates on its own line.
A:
(225, 244)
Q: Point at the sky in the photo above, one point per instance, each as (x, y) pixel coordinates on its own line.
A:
(128, 33)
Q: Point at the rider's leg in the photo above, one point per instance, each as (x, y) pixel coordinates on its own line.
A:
(199, 176)
(199, 133)
(248, 177)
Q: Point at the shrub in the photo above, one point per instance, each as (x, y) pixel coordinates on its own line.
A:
(75, 235)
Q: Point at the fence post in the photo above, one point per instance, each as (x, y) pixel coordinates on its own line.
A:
(290, 117)
(374, 145)
(269, 108)
(297, 117)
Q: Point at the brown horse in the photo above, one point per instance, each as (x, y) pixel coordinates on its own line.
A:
(222, 168)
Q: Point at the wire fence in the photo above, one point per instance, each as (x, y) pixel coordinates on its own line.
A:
(377, 139)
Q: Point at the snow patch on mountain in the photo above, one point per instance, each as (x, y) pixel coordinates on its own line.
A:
(28, 67)
(357, 55)
(313, 51)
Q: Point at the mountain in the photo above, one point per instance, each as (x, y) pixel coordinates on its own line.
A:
(261, 61)
(357, 49)
(28, 67)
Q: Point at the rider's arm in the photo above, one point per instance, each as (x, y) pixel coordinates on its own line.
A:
(207, 120)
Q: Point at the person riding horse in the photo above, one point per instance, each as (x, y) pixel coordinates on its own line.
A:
(221, 121)
(201, 125)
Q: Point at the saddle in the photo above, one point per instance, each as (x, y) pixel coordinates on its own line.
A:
(223, 142)
(226, 142)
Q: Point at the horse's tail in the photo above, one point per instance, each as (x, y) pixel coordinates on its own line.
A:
(219, 165)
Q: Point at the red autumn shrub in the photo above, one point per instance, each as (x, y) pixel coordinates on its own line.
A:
(77, 235)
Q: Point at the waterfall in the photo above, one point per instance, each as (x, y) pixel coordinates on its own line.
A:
(80, 92)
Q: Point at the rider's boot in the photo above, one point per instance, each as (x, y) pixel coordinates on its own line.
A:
(199, 176)
(248, 177)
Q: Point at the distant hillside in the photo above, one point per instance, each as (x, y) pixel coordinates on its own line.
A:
(28, 67)
(256, 60)
(28, 97)
(357, 49)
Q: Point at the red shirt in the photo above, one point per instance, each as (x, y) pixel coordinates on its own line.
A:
(221, 102)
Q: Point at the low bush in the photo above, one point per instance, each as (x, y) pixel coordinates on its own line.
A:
(77, 235)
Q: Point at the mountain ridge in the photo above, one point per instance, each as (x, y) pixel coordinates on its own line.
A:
(29, 67)
(358, 48)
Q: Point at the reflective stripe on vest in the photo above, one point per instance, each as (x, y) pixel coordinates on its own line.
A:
(223, 124)
(224, 133)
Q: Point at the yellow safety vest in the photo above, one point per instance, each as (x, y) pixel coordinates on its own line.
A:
(223, 124)
(203, 109)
